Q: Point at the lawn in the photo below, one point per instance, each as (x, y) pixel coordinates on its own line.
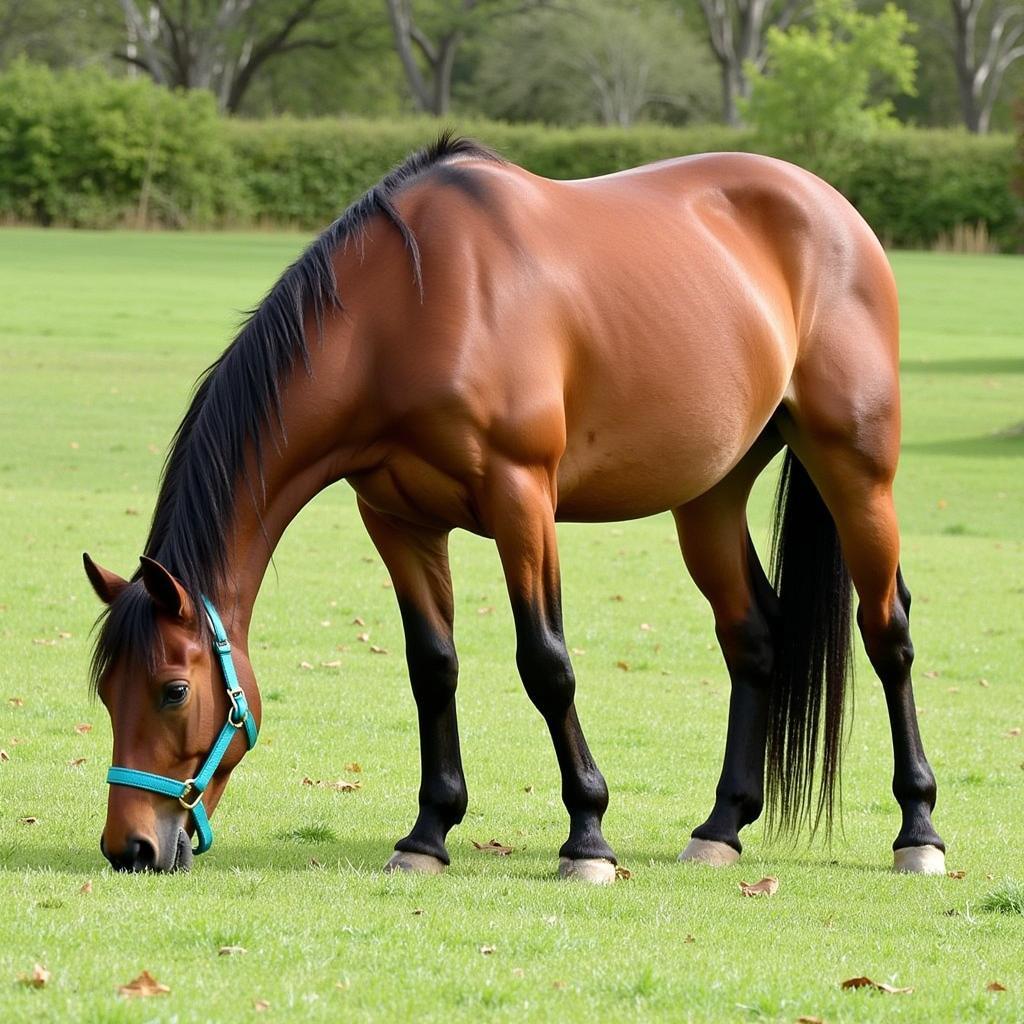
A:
(101, 336)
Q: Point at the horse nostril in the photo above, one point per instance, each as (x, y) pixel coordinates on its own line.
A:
(138, 855)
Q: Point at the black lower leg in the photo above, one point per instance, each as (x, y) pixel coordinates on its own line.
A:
(548, 677)
(433, 671)
(739, 796)
(913, 783)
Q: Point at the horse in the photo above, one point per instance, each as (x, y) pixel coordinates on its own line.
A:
(472, 346)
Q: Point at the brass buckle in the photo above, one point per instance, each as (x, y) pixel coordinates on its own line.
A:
(190, 784)
(233, 696)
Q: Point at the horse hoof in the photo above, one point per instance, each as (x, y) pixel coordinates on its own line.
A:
(595, 870)
(413, 864)
(919, 860)
(708, 851)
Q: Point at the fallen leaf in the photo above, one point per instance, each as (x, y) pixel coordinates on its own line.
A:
(86, 887)
(231, 951)
(354, 767)
(622, 874)
(809, 1020)
(418, 912)
(645, 627)
(952, 689)
(931, 675)
(44, 642)
(983, 682)
(559, 984)
(486, 610)
(956, 874)
(74, 445)
(344, 786)
(36, 978)
(331, 664)
(768, 886)
(527, 789)
(29, 821)
(260, 1005)
(305, 664)
(878, 986)
(617, 597)
(363, 638)
(343, 985)
(689, 938)
(358, 621)
(63, 634)
(82, 728)
(995, 986)
(374, 649)
(314, 863)
(1014, 732)
(143, 986)
(624, 665)
(77, 762)
(325, 622)
(4, 756)
(493, 846)
(487, 950)
(131, 511)
(578, 650)
(15, 702)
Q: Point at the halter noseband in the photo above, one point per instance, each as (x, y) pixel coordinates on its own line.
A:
(190, 792)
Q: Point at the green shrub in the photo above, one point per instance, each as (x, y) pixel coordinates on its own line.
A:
(82, 148)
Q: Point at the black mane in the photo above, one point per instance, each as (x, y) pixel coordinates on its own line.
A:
(237, 402)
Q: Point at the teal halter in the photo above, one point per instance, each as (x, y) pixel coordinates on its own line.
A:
(190, 792)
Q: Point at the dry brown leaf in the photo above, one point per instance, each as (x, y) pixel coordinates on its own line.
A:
(363, 638)
(527, 789)
(336, 663)
(374, 649)
(487, 950)
(493, 846)
(645, 627)
(15, 702)
(358, 621)
(618, 597)
(77, 762)
(29, 821)
(418, 912)
(86, 887)
(341, 785)
(956, 874)
(260, 1005)
(809, 1020)
(622, 874)
(63, 634)
(995, 986)
(231, 951)
(131, 511)
(305, 665)
(4, 756)
(983, 682)
(1014, 732)
(878, 986)
(36, 978)
(624, 665)
(143, 986)
(485, 610)
(689, 938)
(559, 984)
(353, 766)
(44, 642)
(768, 886)
(82, 728)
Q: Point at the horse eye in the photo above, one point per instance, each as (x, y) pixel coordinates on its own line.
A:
(175, 693)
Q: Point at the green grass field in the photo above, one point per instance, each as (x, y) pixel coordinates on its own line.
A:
(101, 336)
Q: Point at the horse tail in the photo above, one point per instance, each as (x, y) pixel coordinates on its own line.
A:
(812, 656)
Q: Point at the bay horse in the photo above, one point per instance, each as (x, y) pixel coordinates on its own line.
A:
(470, 345)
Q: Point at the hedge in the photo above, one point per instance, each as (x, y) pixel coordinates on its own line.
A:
(80, 148)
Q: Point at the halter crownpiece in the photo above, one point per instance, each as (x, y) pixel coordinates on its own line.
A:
(190, 792)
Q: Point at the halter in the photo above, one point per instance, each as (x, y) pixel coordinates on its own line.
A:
(190, 792)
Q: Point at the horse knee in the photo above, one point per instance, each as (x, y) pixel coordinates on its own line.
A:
(547, 674)
(888, 643)
(433, 672)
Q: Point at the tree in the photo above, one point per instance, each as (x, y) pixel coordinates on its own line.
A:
(618, 63)
(220, 45)
(818, 92)
(434, 40)
(736, 31)
(981, 66)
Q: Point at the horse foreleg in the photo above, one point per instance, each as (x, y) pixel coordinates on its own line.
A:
(520, 511)
(417, 560)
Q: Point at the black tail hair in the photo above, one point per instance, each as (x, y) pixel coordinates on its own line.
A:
(812, 658)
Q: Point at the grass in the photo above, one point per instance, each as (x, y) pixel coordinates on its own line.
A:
(100, 338)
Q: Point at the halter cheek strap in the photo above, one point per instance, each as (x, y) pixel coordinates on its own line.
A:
(190, 792)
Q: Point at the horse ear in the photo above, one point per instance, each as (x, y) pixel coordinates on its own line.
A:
(167, 593)
(107, 584)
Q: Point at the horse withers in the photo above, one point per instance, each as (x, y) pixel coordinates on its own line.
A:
(472, 346)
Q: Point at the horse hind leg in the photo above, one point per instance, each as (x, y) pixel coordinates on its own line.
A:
(852, 461)
(720, 557)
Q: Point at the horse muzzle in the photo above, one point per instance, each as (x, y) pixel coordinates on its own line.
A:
(142, 854)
